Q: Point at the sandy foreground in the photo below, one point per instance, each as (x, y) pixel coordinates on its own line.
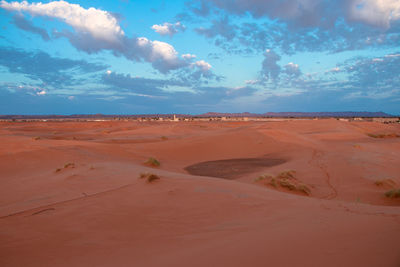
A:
(70, 194)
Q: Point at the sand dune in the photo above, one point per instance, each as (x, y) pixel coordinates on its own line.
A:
(71, 195)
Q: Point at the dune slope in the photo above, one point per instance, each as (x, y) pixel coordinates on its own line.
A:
(71, 194)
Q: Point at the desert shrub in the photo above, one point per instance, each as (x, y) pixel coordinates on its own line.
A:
(164, 138)
(372, 135)
(69, 164)
(389, 135)
(152, 162)
(286, 183)
(303, 188)
(36, 138)
(394, 193)
(150, 177)
(285, 179)
(273, 182)
(383, 182)
(143, 175)
(66, 165)
(286, 174)
(263, 177)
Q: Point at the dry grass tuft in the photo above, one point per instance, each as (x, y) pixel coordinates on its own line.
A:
(66, 165)
(152, 162)
(150, 177)
(263, 177)
(143, 175)
(36, 138)
(303, 188)
(389, 135)
(273, 182)
(286, 174)
(164, 138)
(383, 182)
(286, 183)
(285, 179)
(394, 193)
(69, 165)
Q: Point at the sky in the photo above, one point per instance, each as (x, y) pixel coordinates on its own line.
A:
(197, 56)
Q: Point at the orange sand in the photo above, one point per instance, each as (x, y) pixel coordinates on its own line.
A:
(97, 212)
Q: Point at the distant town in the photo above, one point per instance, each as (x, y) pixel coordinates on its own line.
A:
(213, 116)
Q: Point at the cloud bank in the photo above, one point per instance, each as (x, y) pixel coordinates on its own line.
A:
(96, 30)
(306, 13)
(294, 26)
(168, 28)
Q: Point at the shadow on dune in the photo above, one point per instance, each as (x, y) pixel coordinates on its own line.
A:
(232, 168)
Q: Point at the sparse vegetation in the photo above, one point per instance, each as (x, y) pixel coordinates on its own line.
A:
(285, 179)
(262, 177)
(286, 183)
(273, 182)
(394, 193)
(143, 175)
(303, 188)
(36, 138)
(69, 165)
(286, 174)
(383, 182)
(150, 177)
(164, 138)
(66, 165)
(389, 135)
(152, 162)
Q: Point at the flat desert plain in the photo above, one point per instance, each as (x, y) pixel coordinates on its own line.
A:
(284, 193)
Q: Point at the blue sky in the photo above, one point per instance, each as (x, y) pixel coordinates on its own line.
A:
(195, 56)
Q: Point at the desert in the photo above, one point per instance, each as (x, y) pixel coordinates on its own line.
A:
(234, 193)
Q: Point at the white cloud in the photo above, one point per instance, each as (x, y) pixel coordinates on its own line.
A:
(163, 56)
(202, 65)
(163, 50)
(392, 55)
(375, 12)
(292, 69)
(108, 72)
(333, 70)
(99, 24)
(188, 56)
(43, 92)
(97, 30)
(252, 82)
(168, 28)
(111, 98)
